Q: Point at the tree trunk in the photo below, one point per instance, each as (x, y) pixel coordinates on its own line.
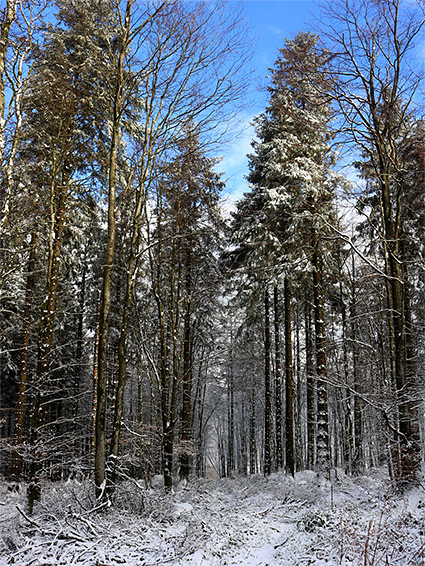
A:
(357, 458)
(311, 390)
(186, 414)
(200, 397)
(346, 396)
(23, 367)
(323, 460)
(408, 460)
(253, 433)
(231, 416)
(105, 302)
(267, 388)
(298, 417)
(79, 442)
(289, 384)
(45, 344)
(278, 380)
(131, 280)
(95, 369)
(243, 464)
(6, 25)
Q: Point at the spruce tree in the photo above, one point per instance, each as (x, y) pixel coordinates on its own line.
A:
(293, 185)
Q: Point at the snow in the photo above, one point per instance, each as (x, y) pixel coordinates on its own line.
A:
(254, 521)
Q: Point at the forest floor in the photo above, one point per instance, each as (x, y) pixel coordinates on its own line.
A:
(246, 521)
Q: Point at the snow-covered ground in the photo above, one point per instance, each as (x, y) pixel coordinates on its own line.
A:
(246, 521)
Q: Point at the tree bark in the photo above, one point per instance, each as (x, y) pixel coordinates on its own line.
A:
(289, 383)
(186, 414)
(231, 415)
(357, 458)
(311, 390)
(406, 455)
(6, 25)
(45, 341)
(278, 380)
(105, 301)
(323, 460)
(23, 367)
(131, 280)
(253, 433)
(267, 388)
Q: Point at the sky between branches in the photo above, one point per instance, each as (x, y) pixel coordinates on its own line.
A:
(271, 21)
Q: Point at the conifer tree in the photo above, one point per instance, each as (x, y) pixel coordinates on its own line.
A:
(290, 171)
(184, 275)
(63, 115)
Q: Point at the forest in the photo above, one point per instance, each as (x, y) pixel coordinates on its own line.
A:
(145, 330)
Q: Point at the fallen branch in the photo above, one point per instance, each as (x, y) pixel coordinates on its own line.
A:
(60, 535)
(261, 513)
(282, 543)
(30, 521)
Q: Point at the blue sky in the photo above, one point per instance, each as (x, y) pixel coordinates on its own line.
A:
(271, 22)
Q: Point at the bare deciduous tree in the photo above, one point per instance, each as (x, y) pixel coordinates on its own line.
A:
(375, 86)
(178, 60)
